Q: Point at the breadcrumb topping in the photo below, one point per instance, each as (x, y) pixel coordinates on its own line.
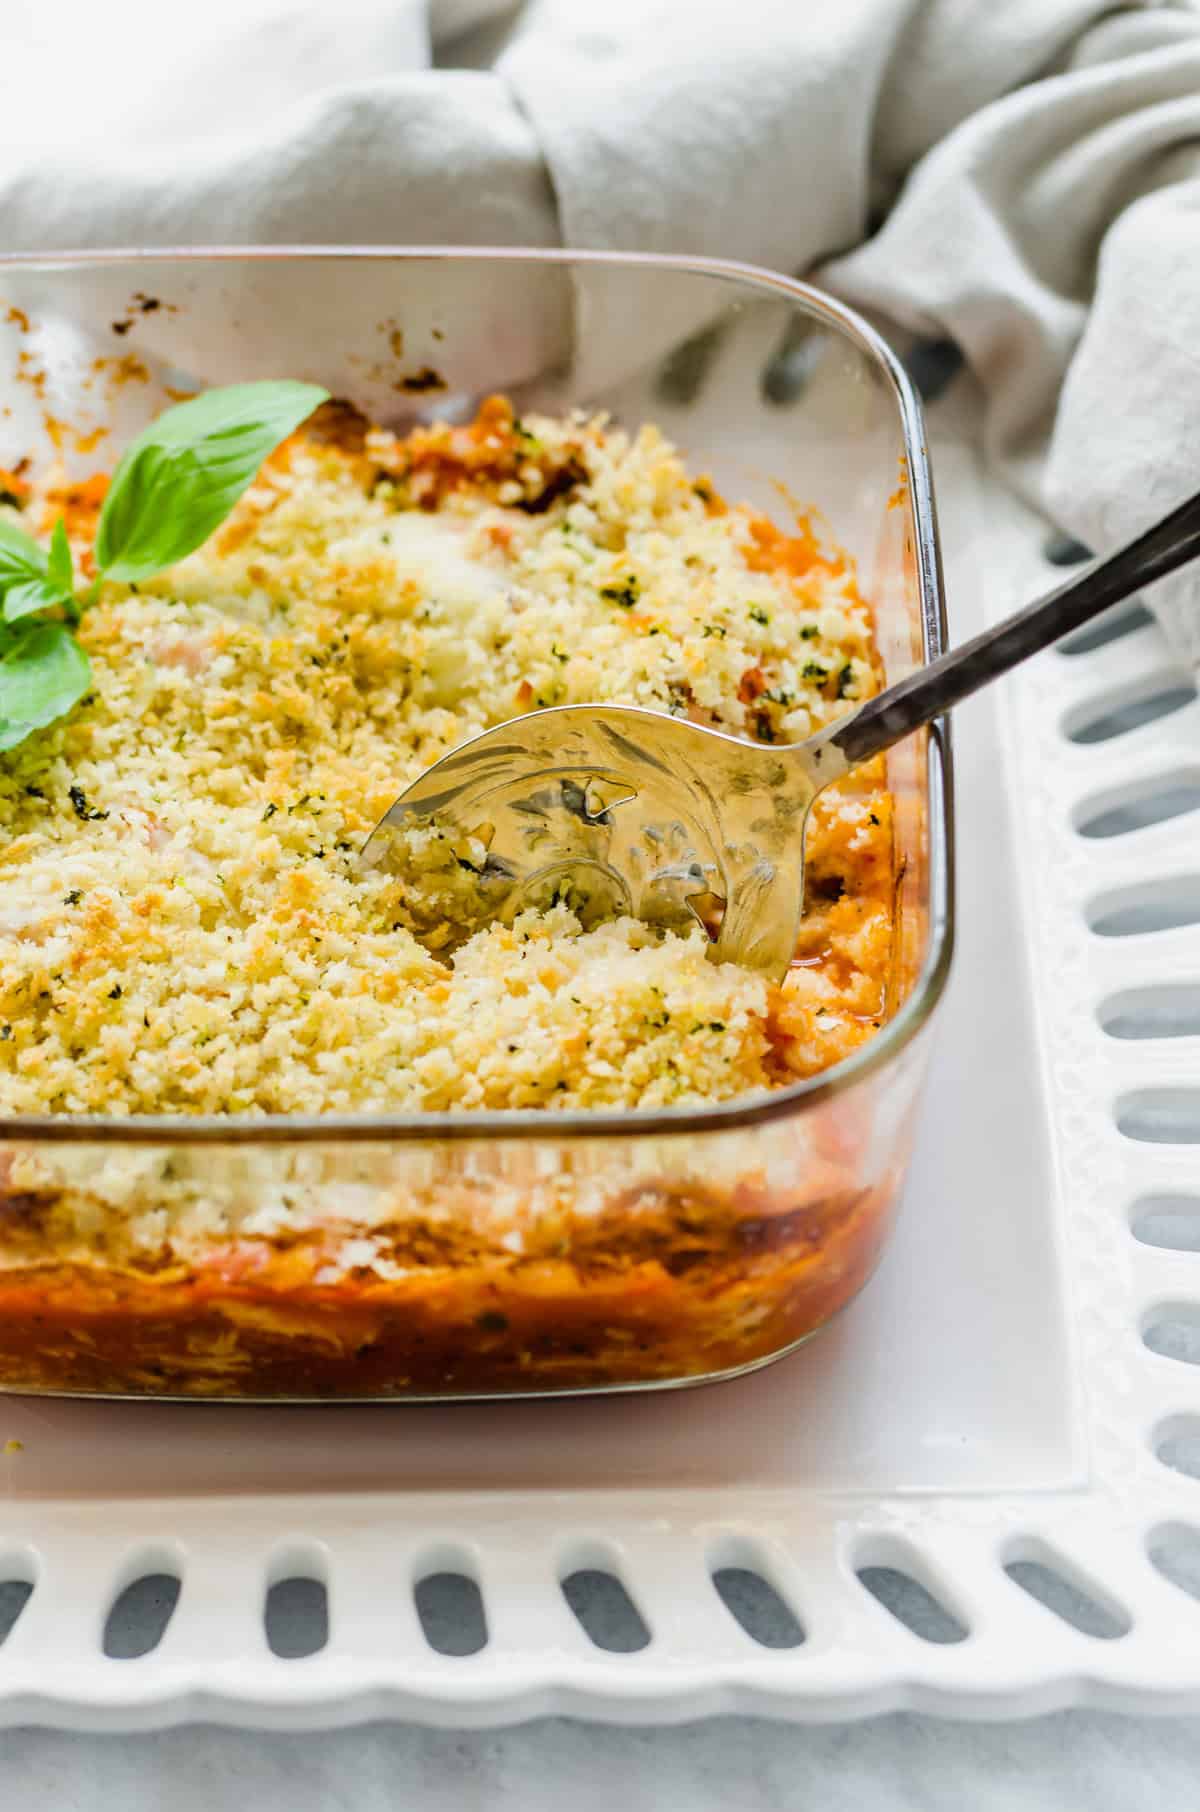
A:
(184, 922)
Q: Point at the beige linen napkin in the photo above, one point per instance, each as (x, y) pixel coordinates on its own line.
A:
(1022, 176)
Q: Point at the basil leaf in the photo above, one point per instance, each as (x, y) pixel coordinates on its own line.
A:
(59, 570)
(184, 473)
(140, 507)
(43, 673)
(21, 557)
(26, 586)
(28, 595)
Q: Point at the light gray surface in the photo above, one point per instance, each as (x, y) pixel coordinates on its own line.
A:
(1074, 1759)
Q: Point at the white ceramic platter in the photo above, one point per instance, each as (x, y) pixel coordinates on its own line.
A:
(1005, 1417)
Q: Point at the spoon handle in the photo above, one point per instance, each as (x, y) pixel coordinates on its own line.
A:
(932, 690)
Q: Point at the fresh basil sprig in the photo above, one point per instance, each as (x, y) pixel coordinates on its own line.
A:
(30, 578)
(184, 473)
(43, 672)
(174, 485)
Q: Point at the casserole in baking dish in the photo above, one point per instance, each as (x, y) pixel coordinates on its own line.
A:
(258, 1140)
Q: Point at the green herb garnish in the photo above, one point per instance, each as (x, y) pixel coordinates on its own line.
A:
(80, 806)
(626, 594)
(176, 484)
(43, 672)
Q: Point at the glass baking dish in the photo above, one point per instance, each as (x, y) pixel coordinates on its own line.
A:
(468, 1255)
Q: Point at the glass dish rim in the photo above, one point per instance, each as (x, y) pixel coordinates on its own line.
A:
(581, 1124)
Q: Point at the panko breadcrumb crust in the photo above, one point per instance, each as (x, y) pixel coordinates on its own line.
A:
(185, 928)
(184, 922)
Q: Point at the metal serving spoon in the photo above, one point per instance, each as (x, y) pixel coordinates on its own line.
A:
(624, 810)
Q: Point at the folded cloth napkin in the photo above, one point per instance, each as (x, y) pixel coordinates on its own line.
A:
(1021, 177)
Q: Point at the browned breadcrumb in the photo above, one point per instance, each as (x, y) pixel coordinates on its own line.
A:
(184, 925)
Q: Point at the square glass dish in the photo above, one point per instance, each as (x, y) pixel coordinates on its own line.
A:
(432, 1256)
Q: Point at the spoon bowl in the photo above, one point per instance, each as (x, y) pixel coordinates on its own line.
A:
(618, 809)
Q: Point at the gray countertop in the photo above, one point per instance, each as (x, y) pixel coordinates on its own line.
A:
(894, 1764)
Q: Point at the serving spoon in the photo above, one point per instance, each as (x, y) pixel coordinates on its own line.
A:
(618, 809)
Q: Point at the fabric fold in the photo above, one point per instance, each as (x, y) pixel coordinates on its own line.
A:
(1023, 178)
